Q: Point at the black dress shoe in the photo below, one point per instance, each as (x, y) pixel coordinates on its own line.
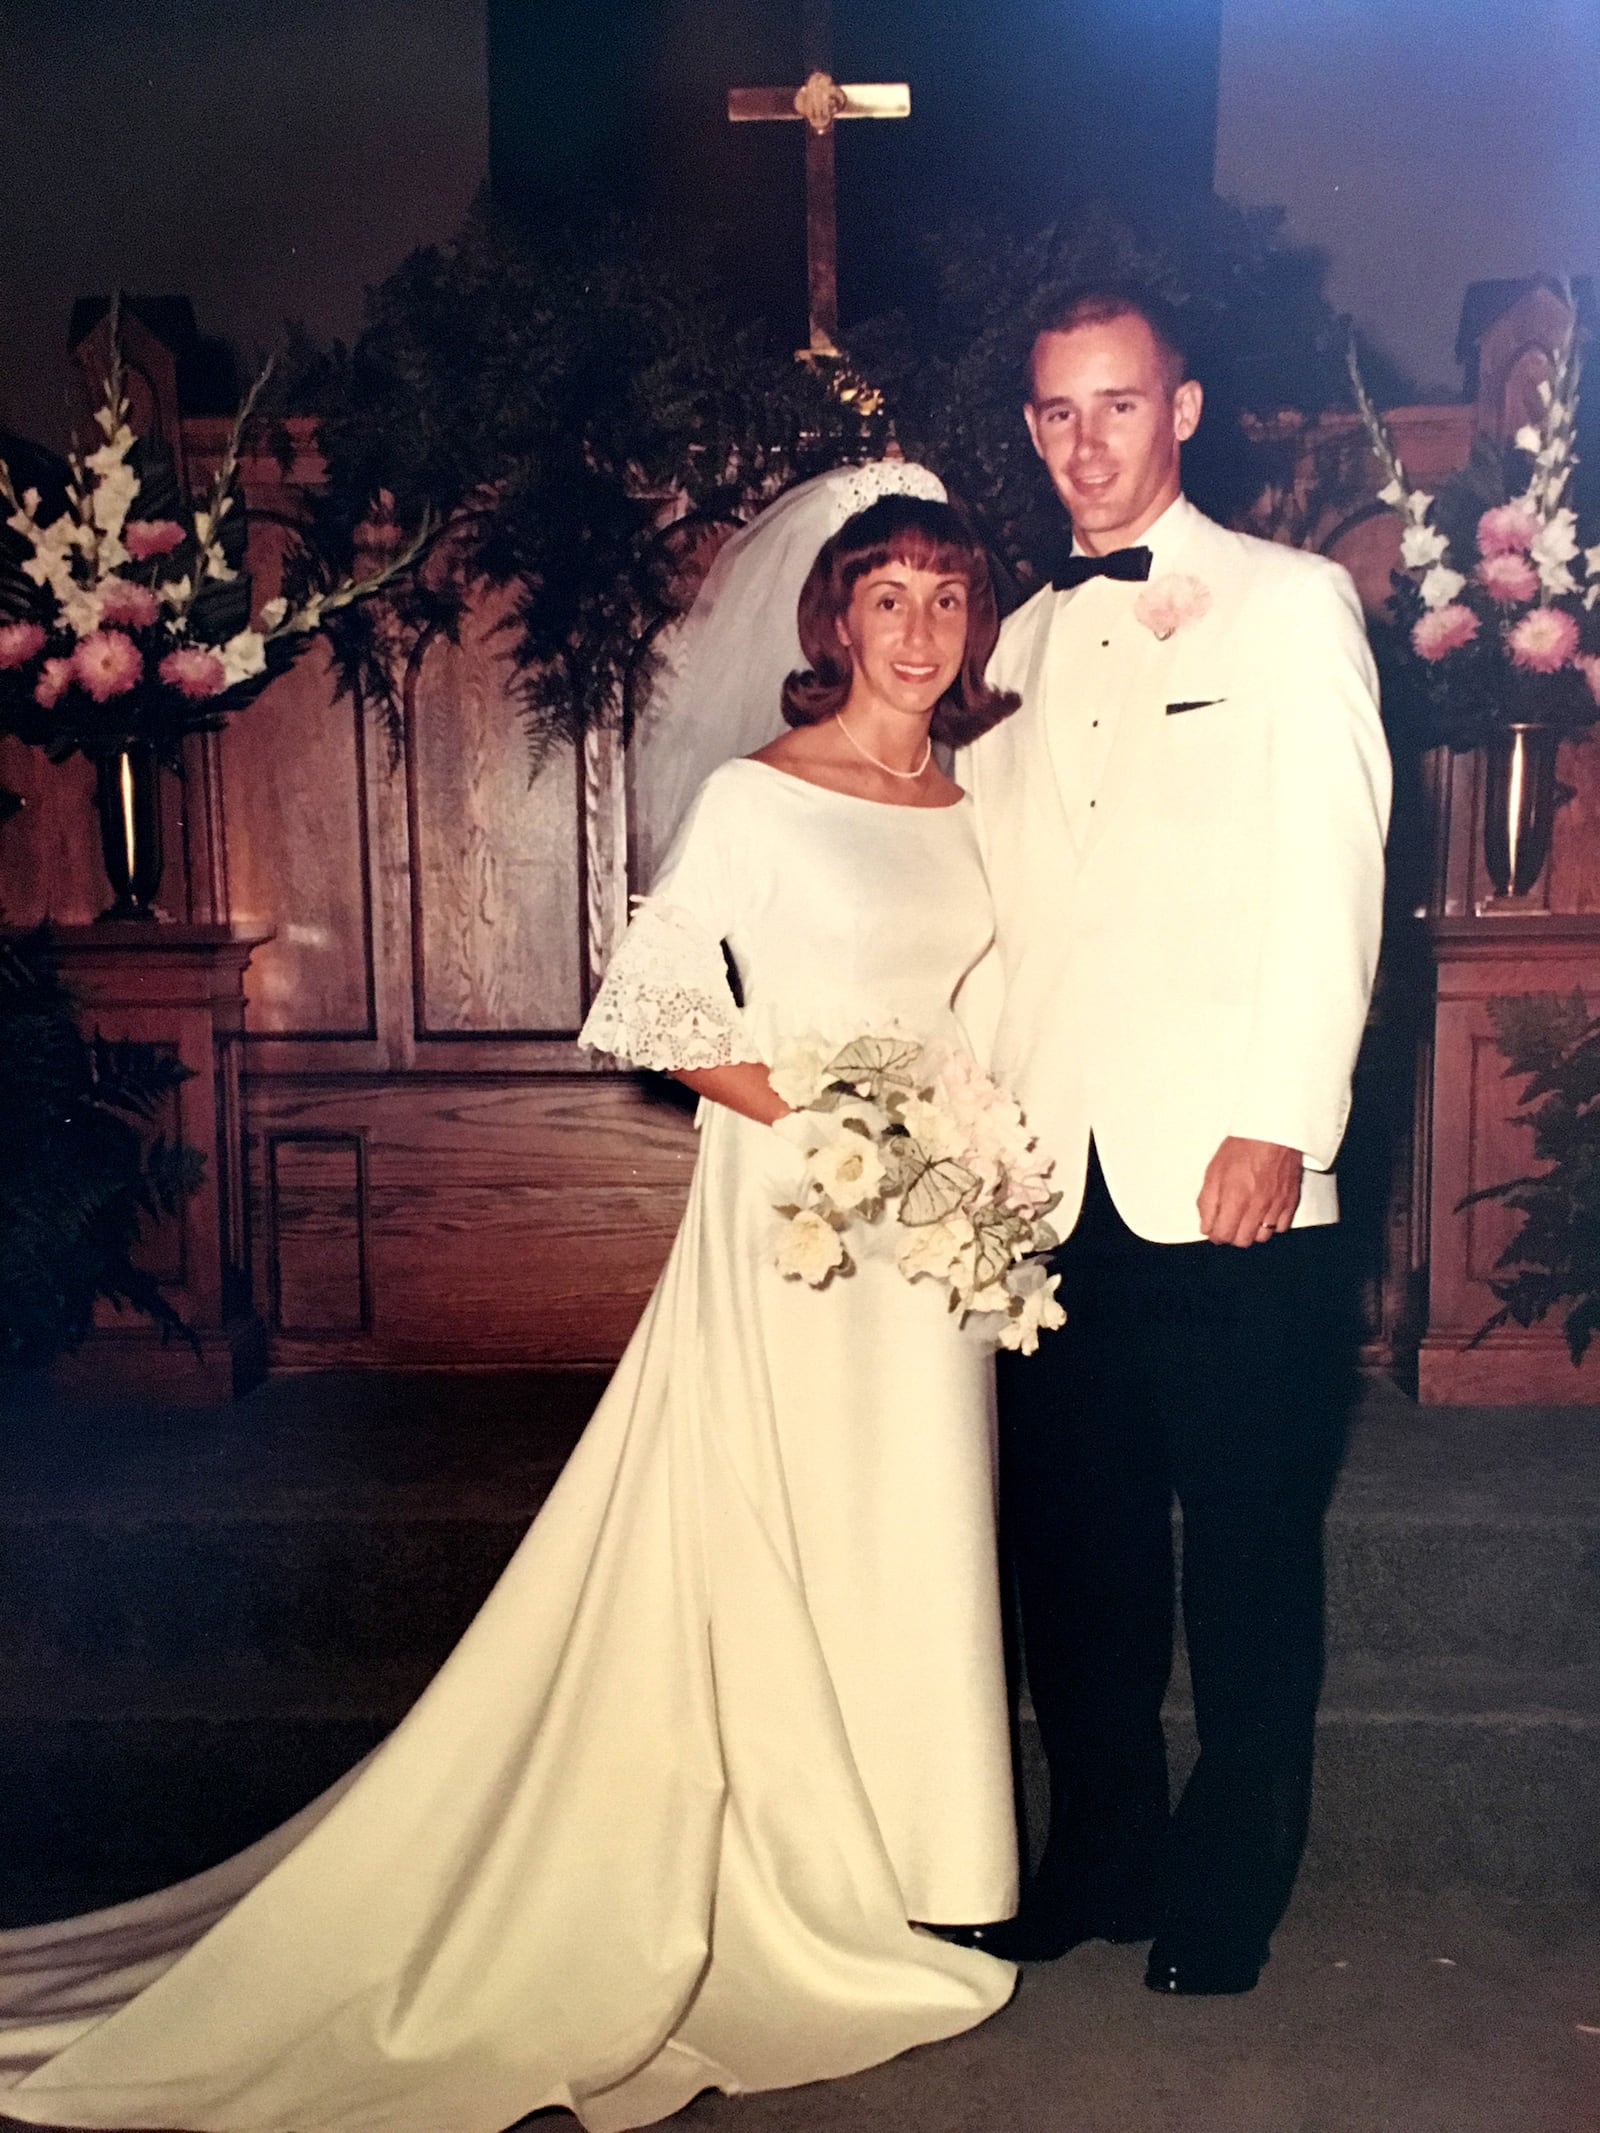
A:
(1042, 1934)
(1194, 1969)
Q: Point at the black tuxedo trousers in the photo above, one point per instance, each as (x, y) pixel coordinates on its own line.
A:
(1218, 1376)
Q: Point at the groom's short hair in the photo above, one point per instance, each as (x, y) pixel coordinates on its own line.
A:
(1097, 303)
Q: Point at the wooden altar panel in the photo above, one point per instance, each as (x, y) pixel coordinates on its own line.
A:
(317, 1275)
(294, 791)
(497, 1221)
(498, 897)
(1474, 1142)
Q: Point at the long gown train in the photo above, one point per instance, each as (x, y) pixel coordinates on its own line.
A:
(731, 1715)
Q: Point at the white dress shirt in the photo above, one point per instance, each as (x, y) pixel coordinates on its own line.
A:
(1094, 638)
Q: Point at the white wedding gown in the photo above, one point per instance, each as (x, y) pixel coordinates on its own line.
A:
(733, 1714)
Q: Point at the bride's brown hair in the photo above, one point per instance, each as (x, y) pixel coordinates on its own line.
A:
(923, 535)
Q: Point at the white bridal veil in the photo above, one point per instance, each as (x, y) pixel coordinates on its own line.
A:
(717, 691)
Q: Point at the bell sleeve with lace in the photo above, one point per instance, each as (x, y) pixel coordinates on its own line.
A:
(666, 1002)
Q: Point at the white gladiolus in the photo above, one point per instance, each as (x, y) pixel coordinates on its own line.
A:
(114, 493)
(243, 656)
(1393, 493)
(1440, 586)
(1421, 545)
(1557, 539)
(273, 613)
(1527, 438)
(1418, 504)
(81, 610)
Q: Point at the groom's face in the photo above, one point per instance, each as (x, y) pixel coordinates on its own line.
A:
(1108, 417)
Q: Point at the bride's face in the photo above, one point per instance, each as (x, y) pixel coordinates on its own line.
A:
(906, 633)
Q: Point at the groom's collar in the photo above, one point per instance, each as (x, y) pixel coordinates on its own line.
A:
(1165, 538)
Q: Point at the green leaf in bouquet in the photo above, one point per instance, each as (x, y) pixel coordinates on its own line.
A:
(220, 610)
(884, 1062)
(993, 1255)
(930, 1187)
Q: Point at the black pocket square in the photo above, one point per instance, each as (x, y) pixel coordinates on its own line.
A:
(1199, 703)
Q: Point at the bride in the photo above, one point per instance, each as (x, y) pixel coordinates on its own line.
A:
(734, 1715)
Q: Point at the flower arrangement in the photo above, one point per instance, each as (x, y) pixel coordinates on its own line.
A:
(888, 1123)
(1493, 603)
(126, 614)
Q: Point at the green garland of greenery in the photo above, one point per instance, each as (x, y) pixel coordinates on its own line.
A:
(82, 1175)
(550, 390)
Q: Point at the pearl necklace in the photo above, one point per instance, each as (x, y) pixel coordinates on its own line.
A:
(888, 769)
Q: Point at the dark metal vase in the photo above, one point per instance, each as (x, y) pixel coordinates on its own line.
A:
(1519, 804)
(127, 800)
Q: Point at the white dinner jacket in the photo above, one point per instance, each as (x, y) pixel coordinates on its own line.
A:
(1198, 960)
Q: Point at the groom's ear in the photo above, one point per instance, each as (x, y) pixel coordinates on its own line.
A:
(1187, 402)
(1030, 417)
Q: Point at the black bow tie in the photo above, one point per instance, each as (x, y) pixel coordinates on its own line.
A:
(1129, 564)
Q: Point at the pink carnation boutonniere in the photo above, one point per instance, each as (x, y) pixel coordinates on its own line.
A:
(1170, 604)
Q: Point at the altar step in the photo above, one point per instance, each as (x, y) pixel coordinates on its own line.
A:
(205, 1620)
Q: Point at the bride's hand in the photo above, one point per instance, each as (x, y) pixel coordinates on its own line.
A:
(744, 1088)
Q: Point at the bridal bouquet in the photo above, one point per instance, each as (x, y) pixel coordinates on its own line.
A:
(1495, 600)
(125, 611)
(919, 1135)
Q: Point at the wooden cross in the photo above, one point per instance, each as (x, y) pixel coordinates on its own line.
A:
(820, 101)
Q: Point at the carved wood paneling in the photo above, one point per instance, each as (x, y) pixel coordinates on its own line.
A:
(496, 859)
(1474, 1142)
(316, 1242)
(293, 836)
(294, 798)
(503, 1222)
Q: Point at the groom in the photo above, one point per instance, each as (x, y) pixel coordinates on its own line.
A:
(1183, 827)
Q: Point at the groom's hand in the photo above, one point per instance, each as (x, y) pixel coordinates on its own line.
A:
(1251, 1191)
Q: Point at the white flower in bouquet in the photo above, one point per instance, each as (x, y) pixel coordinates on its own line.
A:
(848, 1169)
(810, 1249)
(1039, 1312)
(1421, 546)
(937, 1248)
(799, 1071)
(928, 1133)
(934, 1127)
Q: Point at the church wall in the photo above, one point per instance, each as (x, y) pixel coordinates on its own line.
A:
(272, 161)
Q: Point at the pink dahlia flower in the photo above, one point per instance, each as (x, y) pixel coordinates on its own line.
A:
(1169, 604)
(135, 606)
(145, 537)
(54, 677)
(193, 671)
(1544, 641)
(1509, 529)
(1588, 665)
(19, 641)
(1508, 577)
(107, 664)
(1443, 631)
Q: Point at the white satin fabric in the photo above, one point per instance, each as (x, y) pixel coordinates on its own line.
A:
(733, 1714)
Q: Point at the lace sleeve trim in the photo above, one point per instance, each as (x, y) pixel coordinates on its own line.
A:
(665, 1002)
